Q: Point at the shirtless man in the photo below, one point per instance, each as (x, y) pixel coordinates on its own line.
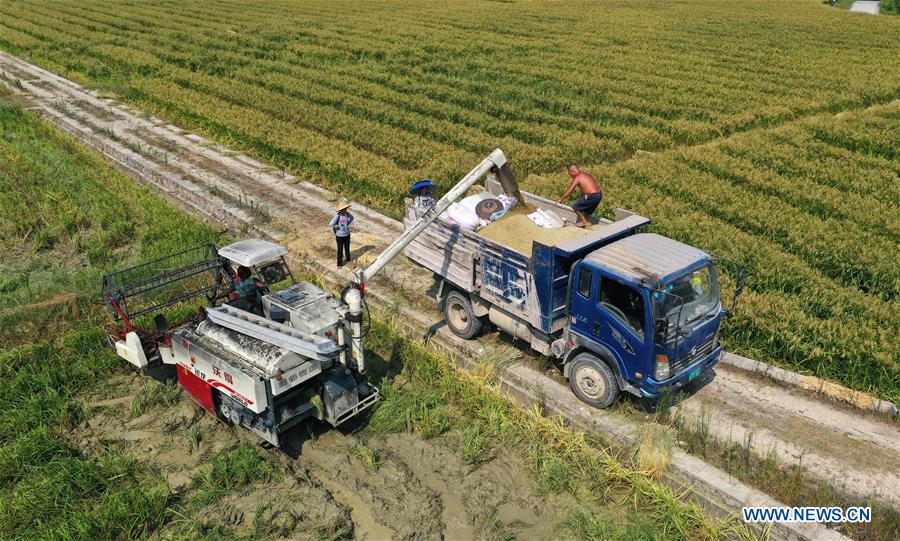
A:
(590, 198)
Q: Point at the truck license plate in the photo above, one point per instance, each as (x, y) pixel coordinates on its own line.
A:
(694, 374)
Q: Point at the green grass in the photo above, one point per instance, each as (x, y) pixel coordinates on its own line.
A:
(59, 493)
(411, 410)
(228, 471)
(554, 472)
(490, 527)
(154, 395)
(367, 457)
(65, 217)
(48, 489)
(890, 7)
(474, 443)
(583, 525)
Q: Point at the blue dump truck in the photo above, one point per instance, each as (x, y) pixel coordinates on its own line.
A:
(619, 309)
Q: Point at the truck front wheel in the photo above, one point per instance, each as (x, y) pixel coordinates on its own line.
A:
(593, 381)
(460, 316)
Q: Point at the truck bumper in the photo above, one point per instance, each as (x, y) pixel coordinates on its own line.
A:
(654, 389)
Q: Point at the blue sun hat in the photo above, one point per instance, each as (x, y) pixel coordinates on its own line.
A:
(425, 183)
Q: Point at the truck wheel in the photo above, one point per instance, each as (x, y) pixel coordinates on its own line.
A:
(460, 316)
(593, 381)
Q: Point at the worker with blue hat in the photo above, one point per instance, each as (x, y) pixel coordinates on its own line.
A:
(424, 198)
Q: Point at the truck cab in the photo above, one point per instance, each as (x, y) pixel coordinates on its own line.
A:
(644, 316)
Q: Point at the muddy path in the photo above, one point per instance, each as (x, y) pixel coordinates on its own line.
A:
(248, 197)
(418, 489)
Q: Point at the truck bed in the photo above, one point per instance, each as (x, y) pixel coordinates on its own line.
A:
(531, 287)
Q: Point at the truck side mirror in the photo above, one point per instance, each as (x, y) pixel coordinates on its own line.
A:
(661, 330)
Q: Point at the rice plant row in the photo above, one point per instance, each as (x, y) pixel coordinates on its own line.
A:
(738, 101)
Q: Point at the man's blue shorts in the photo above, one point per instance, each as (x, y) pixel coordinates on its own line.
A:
(588, 203)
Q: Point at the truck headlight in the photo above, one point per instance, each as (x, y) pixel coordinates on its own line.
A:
(662, 368)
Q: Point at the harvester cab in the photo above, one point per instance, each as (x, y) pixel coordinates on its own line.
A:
(264, 262)
(291, 352)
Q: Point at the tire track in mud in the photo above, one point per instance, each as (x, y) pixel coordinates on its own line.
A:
(420, 489)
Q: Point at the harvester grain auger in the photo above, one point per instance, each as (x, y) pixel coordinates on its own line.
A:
(264, 361)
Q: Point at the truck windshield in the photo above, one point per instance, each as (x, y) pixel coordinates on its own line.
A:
(695, 295)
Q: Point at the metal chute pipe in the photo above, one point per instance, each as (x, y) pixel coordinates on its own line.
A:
(353, 298)
(496, 160)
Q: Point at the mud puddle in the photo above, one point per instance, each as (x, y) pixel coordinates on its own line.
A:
(366, 526)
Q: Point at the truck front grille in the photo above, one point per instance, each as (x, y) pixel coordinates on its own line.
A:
(688, 359)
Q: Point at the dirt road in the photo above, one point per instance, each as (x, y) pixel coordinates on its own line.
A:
(836, 444)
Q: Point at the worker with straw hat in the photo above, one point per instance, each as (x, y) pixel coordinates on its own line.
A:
(424, 197)
(340, 224)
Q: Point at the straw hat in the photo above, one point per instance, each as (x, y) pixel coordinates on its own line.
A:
(343, 204)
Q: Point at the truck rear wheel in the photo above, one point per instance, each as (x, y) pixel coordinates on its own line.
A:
(460, 316)
(593, 381)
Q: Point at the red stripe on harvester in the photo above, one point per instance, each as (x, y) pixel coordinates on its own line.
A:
(216, 383)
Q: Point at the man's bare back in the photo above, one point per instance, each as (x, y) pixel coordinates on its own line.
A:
(586, 183)
(590, 198)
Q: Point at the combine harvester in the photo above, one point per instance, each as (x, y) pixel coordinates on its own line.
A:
(269, 360)
(619, 310)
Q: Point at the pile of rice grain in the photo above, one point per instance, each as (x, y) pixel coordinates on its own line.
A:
(516, 231)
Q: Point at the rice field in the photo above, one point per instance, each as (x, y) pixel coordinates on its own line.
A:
(91, 449)
(763, 131)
